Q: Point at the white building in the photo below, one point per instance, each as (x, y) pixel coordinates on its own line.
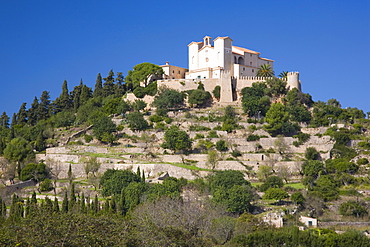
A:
(207, 60)
(220, 64)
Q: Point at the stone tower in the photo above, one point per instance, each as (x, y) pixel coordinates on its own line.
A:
(293, 80)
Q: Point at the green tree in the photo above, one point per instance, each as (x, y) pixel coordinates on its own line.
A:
(136, 121)
(277, 118)
(176, 140)
(37, 172)
(275, 194)
(139, 92)
(139, 105)
(98, 89)
(221, 146)
(92, 165)
(199, 97)
(144, 72)
(272, 182)
(168, 99)
(21, 117)
(108, 86)
(212, 159)
(217, 92)
(18, 150)
(311, 154)
(4, 120)
(32, 112)
(113, 181)
(265, 70)
(43, 110)
(352, 208)
(102, 125)
(64, 101)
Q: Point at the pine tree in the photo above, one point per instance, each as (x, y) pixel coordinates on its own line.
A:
(98, 90)
(65, 203)
(14, 120)
(108, 87)
(63, 102)
(22, 115)
(43, 108)
(86, 94)
(33, 111)
(120, 87)
(4, 120)
(40, 142)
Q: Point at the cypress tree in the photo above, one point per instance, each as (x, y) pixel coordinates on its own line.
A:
(122, 203)
(82, 204)
(119, 87)
(56, 205)
(96, 204)
(48, 205)
(70, 175)
(138, 173)
(72, 200)
(65, 203)
(98, 90)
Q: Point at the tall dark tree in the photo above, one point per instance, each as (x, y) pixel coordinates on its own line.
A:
(98, 90)
(32, 112)
(43, 108)
(75, 96)
(4, 120)
(14, 120)
(120, 87)
(64, 101)
(22, 114)
(108, 87)
(86, 94)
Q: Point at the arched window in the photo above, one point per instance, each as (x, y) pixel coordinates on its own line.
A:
(241, 61)
(235, 60)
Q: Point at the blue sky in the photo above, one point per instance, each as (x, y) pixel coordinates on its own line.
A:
(44, 42)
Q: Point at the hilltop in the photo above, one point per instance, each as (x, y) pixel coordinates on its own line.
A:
(271, 156)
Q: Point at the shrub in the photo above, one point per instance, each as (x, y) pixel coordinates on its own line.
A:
(212, 134)
(221, 146)
(88, 138)
(167, 120)
(139, 92)
(198, 128)
(253, 138)
(236, 153)
(275, 194)
(198, 136)
(46, 185)
(362, 161)
(155, 118)
(311, 153)
(217, 92)
(272, 182)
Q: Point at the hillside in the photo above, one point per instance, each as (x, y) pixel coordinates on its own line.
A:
(270, 159)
